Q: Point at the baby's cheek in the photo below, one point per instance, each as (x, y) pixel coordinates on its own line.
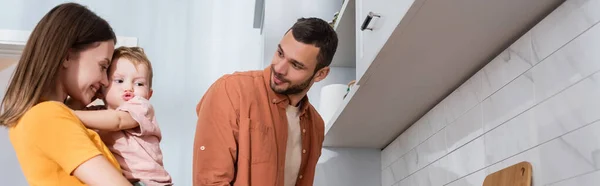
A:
(142, 92)
(113, 97)
(111, 94)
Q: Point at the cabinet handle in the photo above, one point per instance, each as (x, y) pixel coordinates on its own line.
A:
(367, 21)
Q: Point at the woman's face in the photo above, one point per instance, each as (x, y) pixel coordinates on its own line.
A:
(85, 71)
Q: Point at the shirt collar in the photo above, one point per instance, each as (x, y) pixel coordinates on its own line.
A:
(281, 100)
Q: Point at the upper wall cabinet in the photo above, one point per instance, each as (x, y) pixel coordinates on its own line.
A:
(376, 20)
(410, 54)
(345, 27)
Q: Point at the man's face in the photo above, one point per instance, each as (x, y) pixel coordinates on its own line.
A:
(293, 66)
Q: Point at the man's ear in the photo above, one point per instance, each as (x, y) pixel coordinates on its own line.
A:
(321, 74)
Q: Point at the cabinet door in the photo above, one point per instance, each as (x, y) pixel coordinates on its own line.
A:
(369, 42)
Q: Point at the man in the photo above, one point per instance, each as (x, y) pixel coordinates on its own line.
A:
(257, 128)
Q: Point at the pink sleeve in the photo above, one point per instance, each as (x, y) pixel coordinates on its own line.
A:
(141, 111)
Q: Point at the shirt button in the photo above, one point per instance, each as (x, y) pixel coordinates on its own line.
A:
(303, 151)
(202, 148)
(303, 130)
(300, 176)
(274, 100)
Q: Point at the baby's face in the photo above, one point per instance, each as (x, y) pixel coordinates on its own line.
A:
(126, 81)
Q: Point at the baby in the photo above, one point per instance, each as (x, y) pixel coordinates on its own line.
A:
(127, 124)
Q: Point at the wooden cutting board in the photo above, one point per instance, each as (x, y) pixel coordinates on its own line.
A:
(516, 175)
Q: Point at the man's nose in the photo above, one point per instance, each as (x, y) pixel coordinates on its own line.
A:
(281, 67)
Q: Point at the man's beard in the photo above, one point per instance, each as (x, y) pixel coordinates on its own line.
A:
(293, 88)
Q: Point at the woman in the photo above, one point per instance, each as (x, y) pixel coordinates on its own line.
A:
(67, 54)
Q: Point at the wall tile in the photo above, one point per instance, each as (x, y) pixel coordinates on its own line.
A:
(589, 179)
(563, 24)
(432, 149)
(466, 160)
(387, 178)
(475, 179)
(464, 129)
(577, 60)
(500, 71)
(513, 99)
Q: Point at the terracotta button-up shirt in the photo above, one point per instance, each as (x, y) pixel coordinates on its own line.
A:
(241, 134)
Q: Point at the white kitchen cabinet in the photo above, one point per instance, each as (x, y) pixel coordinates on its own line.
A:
(370, 41)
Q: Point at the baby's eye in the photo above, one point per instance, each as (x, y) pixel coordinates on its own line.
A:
(118, 81)
(139, 84)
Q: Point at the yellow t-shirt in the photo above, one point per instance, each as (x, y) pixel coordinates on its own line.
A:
(51, 142)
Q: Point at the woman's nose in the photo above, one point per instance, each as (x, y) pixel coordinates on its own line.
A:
(104, 81)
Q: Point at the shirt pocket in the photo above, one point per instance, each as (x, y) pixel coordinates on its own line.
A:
(260, 140)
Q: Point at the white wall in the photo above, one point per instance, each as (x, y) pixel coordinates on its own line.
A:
(348, 167)
(281, 15)
(538, 101)
(190, 43)
(10, 171)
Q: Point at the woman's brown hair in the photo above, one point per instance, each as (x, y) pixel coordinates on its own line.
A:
(68, 26)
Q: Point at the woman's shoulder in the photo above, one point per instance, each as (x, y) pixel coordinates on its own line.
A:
(47, 107)
(47, 110)
(47, 116)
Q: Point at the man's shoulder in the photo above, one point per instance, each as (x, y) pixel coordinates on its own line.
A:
(241, 76)
(242, 79)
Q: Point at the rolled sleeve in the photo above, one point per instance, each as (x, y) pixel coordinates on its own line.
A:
(215, 151)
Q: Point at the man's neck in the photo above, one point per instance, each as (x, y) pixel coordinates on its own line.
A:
(296, 98)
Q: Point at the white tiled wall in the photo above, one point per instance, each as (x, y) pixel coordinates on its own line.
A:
(538, 101)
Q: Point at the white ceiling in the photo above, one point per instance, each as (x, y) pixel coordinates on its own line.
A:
(435, 48)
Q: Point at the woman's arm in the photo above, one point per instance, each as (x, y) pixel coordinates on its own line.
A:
(59, 136)
(109, 120)
(98, 171)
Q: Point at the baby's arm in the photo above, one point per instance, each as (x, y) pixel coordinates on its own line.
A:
(109, 120)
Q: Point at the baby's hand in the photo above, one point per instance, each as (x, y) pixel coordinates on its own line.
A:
(138, 105)
(137, 100)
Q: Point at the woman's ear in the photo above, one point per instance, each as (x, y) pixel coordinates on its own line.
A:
(68, 59)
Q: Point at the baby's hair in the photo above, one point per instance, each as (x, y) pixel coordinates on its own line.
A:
(137, 56)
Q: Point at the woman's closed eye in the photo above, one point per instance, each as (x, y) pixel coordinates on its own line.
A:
(103, 68)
